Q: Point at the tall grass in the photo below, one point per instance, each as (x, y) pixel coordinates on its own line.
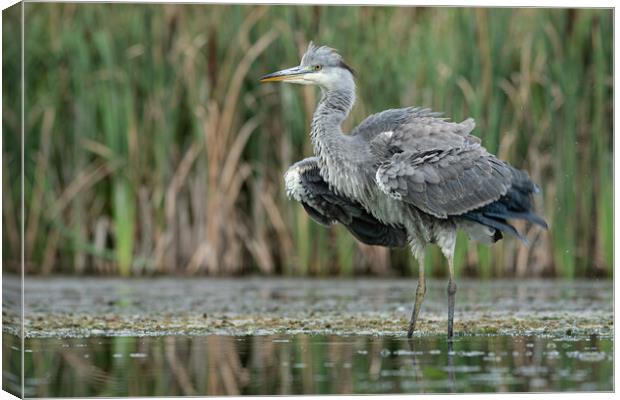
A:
(12, 145)
(152, 149)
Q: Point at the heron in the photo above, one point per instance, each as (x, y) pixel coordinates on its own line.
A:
(403, 177)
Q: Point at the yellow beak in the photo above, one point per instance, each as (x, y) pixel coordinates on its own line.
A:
(285, 75)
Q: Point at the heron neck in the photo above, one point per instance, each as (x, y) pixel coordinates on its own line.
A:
(332, 147)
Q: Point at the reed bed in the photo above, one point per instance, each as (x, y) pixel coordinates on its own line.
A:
(150, 147)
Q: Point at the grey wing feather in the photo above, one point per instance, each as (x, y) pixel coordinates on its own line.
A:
(305, 184)
(438, 167)
(395, 119)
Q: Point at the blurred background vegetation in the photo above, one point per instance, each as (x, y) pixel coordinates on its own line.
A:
(151, 148)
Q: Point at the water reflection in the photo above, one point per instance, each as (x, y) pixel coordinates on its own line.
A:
(228, 365)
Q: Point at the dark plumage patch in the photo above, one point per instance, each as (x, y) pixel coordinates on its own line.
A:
(497, 235)
(328, 207)
(347, 67)
(517, 203)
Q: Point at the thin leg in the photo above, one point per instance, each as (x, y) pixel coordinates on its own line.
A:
(451, 295)
(447, 242)
(419, 293)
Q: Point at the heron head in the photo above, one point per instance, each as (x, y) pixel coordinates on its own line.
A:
(321, 66)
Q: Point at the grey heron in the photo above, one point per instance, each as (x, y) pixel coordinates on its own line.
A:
(404, 176)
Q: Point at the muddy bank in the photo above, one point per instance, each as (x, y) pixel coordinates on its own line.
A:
(82, 307)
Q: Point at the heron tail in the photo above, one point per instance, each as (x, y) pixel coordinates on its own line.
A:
(517, 203)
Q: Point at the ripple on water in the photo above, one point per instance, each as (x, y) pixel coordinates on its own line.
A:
(307, 363)
(588, 356)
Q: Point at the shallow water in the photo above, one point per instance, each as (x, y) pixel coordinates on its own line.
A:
(310, 364)
(205, 336)
(80, 307)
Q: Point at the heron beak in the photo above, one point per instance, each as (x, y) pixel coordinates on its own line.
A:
(291, 74)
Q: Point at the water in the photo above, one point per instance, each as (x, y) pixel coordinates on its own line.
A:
(200, 306)
(309, 364)
(207, 336)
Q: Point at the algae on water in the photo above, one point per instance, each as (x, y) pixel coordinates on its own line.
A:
(82, 307)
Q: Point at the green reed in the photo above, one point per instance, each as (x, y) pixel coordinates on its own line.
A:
(151, 148)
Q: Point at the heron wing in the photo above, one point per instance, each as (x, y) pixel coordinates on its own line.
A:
(413, 121)
(305, 183)
(444, 180)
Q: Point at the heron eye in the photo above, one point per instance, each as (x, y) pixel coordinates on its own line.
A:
(317, 67)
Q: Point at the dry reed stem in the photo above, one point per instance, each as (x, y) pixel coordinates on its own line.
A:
(176, 183)
(85, 179)
(49, 258)
(231, 162)
(101, 232)
(232, 95)
(233, 51)
(280, 226)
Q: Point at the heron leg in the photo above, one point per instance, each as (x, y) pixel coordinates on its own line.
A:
(447, 243)
(419, 292)
(451, 296)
